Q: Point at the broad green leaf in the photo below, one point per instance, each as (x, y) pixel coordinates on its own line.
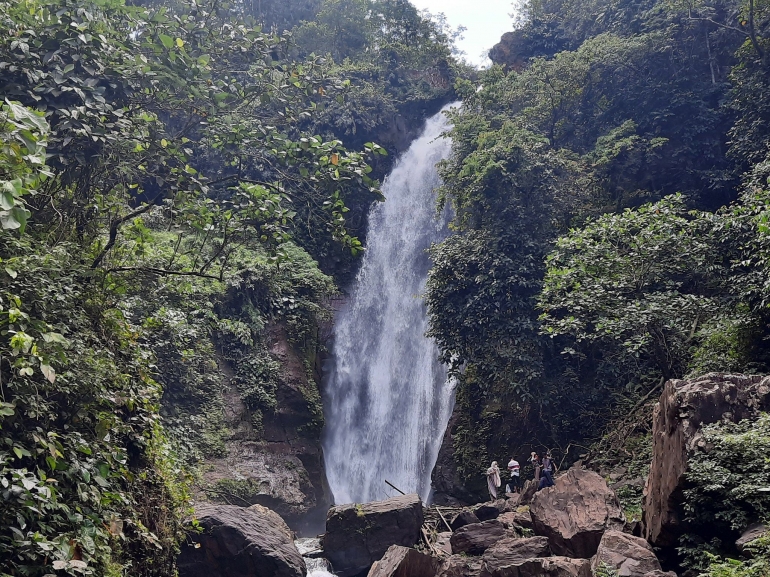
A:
(21, 215)
(48, 372)
(8, 221)
(7, 201)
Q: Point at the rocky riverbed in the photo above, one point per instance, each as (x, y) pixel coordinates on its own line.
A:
(574, 529)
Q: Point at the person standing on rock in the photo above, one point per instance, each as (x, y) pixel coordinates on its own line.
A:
(535, 460)
(548, 469)
(493, 479)
(514, 468)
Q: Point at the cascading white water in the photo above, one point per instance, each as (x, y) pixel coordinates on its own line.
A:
(387, 399)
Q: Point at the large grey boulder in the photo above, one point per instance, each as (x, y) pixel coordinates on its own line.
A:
(460, 566)
(630, 556)
(575, 513)
(752, 533)
(476, 538)
(443, 544)
(489, 511)
(527, 492)
(684, 407)
(358, 535)
(513, 551)
(240, 542)
(462, 519)
(404, 562)
(541, 567)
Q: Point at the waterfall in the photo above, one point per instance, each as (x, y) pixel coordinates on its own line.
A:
(387, 399)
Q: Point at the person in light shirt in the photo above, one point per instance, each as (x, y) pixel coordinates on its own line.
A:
(515, 469)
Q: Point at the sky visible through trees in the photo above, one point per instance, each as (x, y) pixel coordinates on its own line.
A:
(485, 20)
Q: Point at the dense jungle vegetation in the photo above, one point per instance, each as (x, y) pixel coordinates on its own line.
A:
(609, 178)
(178, 176)
(172, 173)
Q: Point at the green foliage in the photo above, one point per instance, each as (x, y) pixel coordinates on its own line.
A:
(237, 492)
(156, 247)
(80, 433)
(209, 336)
(727, 479)
(393, 60)
(605, 570)
(615, 108)
(727, 474)
(257, 381)
(645, 280)
(757, 566)
(22, 162)
(179, 126)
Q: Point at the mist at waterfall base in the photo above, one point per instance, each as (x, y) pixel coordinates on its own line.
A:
(387, 399)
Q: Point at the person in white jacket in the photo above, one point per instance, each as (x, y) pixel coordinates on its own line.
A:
(493, 479)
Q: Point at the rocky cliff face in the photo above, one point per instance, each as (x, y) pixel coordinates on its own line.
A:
(448, 485)
(685, 406)
(511, 52)
(280, 467)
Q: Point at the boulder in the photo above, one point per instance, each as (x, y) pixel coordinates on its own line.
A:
(540, 567)
(684, 407)
(404, 562)
(630, 556)
(476, 538)
(462, 519)
(517, 518)
(512, 501)
(575, 513)
(752, 532)
(460, 566)
(511, 550)
(528, 491)
(508, 520)
(358, 535)
(240, 542)
(443, 544)
(512, 51)
(489, 511)
(523, 518)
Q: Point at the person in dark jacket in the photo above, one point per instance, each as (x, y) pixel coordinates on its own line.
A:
(548, 470)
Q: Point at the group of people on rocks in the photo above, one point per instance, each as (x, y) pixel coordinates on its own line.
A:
(544, 468)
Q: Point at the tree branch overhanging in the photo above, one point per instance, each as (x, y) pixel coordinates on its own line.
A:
(117, 223)
(166, 272)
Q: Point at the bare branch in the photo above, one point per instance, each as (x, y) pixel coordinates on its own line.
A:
(116, 224)
(165, 272)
